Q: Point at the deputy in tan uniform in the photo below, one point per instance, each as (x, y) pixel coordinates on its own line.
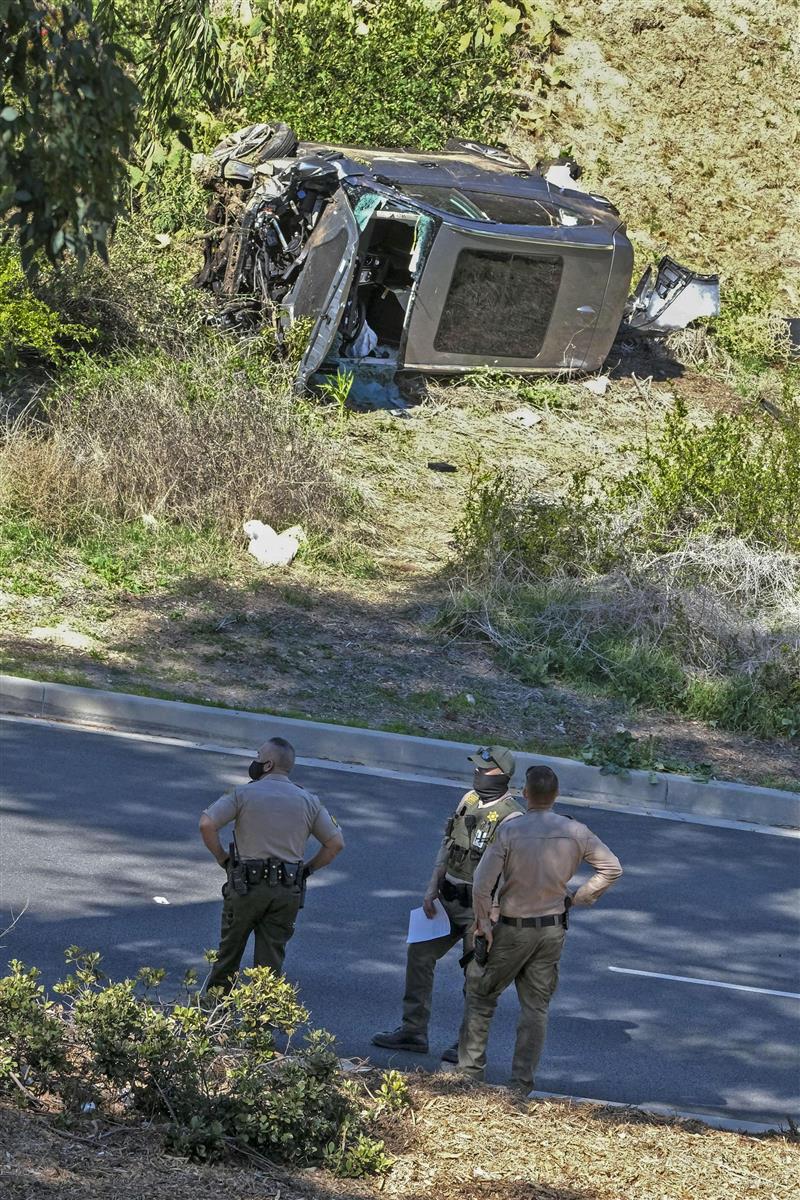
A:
(273, 819)
(468, 833)
(536, 857)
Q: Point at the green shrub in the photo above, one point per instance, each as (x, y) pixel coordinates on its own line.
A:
(33, 1040)
(140, 300)
(739, 475)
(747, 328)
(397, 73)
(30, 328)
(212, 1071)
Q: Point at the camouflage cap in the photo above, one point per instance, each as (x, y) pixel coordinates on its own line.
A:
(494, 756)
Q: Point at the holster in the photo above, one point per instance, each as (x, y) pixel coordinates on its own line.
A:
(452, 891)
(291, 874)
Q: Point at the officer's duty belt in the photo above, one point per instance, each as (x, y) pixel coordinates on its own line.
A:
(535, 922)
(274, 871)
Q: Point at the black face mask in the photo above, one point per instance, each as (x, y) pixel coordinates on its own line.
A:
(490, 787)
(255, 770)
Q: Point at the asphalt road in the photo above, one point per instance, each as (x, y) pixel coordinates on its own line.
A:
(93, 827)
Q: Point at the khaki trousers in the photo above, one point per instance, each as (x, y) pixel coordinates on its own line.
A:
(269, 913)
(528, 958)
(421, 962)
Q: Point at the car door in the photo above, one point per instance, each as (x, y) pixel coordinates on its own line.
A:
(324, 283)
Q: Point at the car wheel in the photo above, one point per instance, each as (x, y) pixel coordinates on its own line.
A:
(257, 143)
(282, 144)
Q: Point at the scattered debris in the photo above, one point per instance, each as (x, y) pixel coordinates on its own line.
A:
(598, 386)
(526, 417)
(441, 466)
(273, 549)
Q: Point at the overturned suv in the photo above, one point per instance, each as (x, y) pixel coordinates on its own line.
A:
(425, 262)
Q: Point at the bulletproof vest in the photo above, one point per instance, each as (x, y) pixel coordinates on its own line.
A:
(470, 831)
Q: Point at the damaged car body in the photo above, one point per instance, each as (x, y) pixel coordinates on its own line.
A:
(420, 263)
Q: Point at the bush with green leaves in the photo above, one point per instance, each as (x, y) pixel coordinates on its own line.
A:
(674, 588)
(395, 72)
(738, 475)
(30, 330)
(209, 1067)
(33, 1037)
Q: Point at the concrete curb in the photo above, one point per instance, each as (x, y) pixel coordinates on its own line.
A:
(369, 747)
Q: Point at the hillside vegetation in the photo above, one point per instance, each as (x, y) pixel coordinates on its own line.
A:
(621, 579)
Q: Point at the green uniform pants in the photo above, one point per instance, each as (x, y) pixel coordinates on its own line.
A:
(269, 913)
(421, 962)
(529, 959)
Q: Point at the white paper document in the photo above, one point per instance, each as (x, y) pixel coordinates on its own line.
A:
(425, 929)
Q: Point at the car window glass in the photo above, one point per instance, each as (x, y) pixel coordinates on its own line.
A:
(498, 305)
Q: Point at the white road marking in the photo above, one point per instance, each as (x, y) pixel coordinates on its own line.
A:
(734, 987)
(327, 764)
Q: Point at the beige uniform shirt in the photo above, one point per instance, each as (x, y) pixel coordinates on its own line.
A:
(273, 818)
(537, 855)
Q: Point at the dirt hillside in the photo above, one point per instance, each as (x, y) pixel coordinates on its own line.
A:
(686, 114)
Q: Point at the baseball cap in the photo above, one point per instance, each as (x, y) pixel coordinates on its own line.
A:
(494, 756)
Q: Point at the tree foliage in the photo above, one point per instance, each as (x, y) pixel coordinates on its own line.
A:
(67, 121)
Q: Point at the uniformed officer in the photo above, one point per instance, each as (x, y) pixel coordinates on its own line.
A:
(273, 818)
(472, 828)
(536, 856)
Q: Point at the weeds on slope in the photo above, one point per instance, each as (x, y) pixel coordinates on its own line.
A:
(677, 587)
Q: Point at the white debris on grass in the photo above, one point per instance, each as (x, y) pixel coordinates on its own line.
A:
(270, 548)
(526, 417)
(598, 386)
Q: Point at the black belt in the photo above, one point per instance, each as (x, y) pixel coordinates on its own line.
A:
(535, 922)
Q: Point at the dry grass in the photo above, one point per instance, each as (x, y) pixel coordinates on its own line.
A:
(726, 604)
(457, 1143)
(684, 113)
(209, 438)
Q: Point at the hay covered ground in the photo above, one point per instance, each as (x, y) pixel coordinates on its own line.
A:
(455, 1143)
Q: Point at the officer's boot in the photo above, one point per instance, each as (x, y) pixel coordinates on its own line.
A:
(402, 1039)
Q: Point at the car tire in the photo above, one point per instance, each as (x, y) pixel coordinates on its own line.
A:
(282, 144)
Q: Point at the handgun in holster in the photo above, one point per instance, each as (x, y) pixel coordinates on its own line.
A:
(568, 902)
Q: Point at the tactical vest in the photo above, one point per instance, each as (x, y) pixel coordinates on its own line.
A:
(469, 832)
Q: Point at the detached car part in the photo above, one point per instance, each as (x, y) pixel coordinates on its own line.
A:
(670, 298)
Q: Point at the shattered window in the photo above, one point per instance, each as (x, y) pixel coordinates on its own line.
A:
(486, 206)
(499, 305)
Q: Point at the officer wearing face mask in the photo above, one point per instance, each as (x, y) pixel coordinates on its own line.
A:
(467, 834)
(273, 819)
